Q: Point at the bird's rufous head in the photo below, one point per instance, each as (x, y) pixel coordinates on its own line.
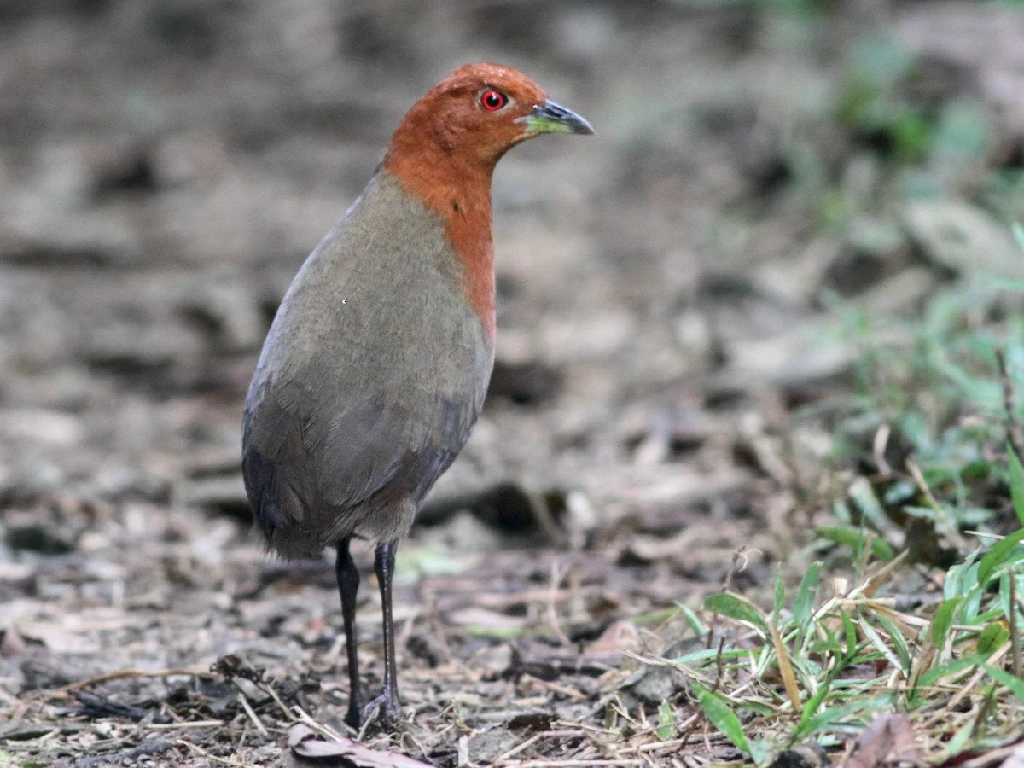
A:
(478, 113)
(447, 145)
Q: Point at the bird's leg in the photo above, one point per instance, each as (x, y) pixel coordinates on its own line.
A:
(387, 705)
(348, 586)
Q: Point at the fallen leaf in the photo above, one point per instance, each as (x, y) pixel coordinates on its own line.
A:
(889, 740)
(1016, 758)
(307, 748)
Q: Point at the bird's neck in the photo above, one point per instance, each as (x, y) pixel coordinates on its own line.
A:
(460, 194)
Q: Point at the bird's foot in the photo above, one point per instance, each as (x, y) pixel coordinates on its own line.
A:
(384, 711)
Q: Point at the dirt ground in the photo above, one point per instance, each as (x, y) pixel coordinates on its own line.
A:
(166, 165)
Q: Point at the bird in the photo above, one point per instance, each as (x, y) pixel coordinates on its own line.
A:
(377, 362)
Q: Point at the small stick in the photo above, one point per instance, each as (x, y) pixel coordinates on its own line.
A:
(208, 756)
(268, 688)
(734, 567)
(1015, 437)
(193, 724)
(950, 528)
(1014, 433)
(123, 758)
(252, 715)
(123, 674)
(555, 687)
(324, 730)
(878, 447)
(1014, 629)
(575, 763)
(516, 750)
(556, 579)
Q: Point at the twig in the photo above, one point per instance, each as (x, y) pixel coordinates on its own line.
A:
(222, 760)
(128, 755)
(252, 715)
(997, 756)
(1014, 629)
(719, 666)
(675, 744)
(878, 448)
(734, 567)
(193, 724)
(324, 730)
(123, 674)
(874, 582)
(269, 689)
(564, 690)
(1014, 433)
(500, 760)
(964, 689)
(949, 528)
(556, 578)
(574, 763)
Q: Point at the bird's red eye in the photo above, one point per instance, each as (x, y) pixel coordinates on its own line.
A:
(492, 100)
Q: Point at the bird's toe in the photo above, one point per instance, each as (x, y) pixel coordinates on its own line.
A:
(383, 711)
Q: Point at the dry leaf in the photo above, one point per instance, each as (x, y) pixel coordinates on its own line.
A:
(889, 740)
(1016, 758)
(307, 748)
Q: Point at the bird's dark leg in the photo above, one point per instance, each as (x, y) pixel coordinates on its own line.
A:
(387, 703)
(348, 586)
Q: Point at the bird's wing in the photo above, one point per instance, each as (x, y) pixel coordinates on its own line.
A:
(301, 464)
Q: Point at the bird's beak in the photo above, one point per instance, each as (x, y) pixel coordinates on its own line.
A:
(554, 118)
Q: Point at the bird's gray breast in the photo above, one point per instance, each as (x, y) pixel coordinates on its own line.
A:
(370, 379)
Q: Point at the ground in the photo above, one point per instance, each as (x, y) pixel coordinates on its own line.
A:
(668, 295)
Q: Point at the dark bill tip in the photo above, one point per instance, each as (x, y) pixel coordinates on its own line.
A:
(550, 117)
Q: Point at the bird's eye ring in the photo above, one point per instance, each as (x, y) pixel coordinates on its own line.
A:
(493, 100)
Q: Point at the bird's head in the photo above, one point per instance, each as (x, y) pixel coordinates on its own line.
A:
(447, 145)
(478, 113)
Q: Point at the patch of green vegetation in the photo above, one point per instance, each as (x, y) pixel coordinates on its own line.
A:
(881, 105)
(820, 670)
(935, 397)
(914, 600)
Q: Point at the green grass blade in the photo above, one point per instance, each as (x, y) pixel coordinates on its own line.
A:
(898, 641)
(735, 607)
(876, 640)
(1015, 684)
(943, 621)
(810, 709)
(949, 669)
(856, 539)
(780, 597)
(803, 603)
(1018, 234)
(833, 715)
(691, 618)
(992, 637)
(666, 721)
(1000, 553)
(1016, 479)
(720, 714)
(711, 654)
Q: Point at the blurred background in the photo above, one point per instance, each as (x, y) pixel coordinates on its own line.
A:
(771, 185)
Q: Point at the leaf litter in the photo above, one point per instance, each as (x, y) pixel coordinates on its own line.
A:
(647, 555)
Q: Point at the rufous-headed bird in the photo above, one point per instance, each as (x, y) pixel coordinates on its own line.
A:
(376, 365)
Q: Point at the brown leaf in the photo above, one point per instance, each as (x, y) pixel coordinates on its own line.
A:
(619, 636)
(889, 741)
(306, 749)
(1016, 758)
